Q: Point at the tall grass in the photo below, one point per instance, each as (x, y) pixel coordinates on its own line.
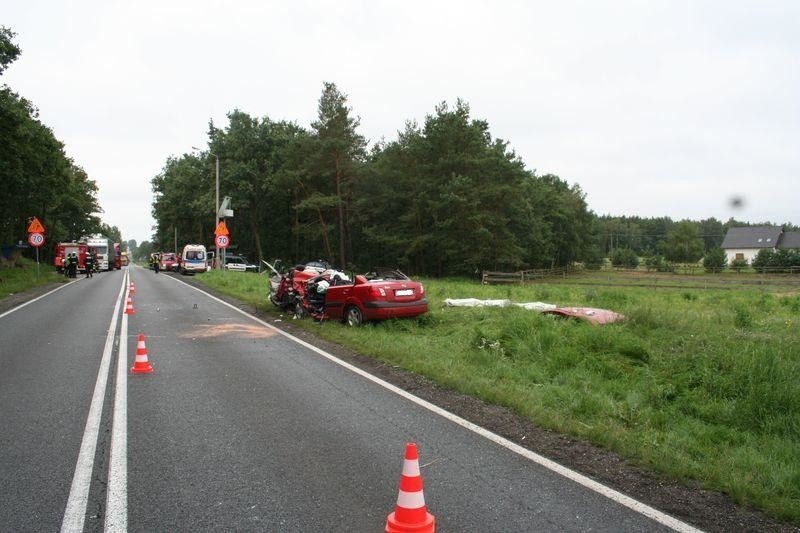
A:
(699, 385)
(22, 276)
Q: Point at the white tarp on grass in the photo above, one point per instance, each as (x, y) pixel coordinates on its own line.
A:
(474, 302)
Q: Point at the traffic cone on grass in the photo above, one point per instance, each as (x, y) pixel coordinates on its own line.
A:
(141, 365)
(129, 307)
(410, 513)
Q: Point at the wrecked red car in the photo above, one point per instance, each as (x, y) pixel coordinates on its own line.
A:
(289, 291)
(377, 295)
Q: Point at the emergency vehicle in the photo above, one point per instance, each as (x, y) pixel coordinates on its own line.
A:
(193, 259)
(63, 249)
(104, 248)
(117, 256)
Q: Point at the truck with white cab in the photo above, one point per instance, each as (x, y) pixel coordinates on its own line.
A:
(105, 250)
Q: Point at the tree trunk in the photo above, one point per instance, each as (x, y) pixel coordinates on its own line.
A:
(325, 240)
(342, 235)
(256, 235)
(296, 227)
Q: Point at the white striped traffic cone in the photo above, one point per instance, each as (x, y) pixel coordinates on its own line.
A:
(141, 365)
(129, 307)
(410, 513)
(132, 288)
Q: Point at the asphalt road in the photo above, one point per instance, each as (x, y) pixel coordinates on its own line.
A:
(241, 428)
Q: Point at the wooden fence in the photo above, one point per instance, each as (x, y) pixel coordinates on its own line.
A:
(523, 276)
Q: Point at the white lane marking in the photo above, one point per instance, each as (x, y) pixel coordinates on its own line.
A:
(75, 513)
(635, 505)
(117, 488)
(20, 306)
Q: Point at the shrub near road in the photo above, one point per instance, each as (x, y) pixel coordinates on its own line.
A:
(697, 384)
(19, 278)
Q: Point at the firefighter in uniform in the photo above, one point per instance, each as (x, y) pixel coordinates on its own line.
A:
(73, 265)
(89, 264)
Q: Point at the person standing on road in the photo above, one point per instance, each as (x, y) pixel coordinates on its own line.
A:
(156, 262)
(73, 265)
(89, 264)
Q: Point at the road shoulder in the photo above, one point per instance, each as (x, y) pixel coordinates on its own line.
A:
(14, 300)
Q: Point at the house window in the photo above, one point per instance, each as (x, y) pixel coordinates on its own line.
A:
(739, 257)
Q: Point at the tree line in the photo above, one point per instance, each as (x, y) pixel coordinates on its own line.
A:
(38, 178)
(661, 241)
(445, 197)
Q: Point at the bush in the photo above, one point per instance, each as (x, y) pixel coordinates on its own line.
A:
(715, 260)
(657, 263)
(594, 259)
(739, 264)
(777, 261)
(764, 259)
(624, 258)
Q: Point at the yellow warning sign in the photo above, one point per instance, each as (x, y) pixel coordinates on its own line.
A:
(35, 226)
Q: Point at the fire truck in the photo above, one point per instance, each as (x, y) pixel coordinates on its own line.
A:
(62, 249)
(104, 248)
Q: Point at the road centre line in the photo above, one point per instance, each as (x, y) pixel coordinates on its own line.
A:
(614, 495)
(117, 487)
(17, 308)
(75, 512)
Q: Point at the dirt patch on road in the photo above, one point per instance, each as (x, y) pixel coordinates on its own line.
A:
(233, 329)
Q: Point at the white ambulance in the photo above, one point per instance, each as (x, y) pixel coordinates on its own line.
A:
(193, 259)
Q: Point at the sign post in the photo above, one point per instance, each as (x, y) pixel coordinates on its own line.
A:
(36, 239)
(222, 240)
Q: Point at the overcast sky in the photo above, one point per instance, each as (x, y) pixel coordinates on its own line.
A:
(667, 108)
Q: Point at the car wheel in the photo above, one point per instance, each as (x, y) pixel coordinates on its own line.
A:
(353, 316)
(299, 310)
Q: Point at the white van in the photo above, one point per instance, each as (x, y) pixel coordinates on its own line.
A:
(193, 259)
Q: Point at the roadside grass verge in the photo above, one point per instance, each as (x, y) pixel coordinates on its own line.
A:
(19, 278)
(700, 385)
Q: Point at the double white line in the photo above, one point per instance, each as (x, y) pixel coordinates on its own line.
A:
(116, 512)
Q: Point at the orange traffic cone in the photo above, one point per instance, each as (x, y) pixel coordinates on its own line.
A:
(141, 365)
(410, 513)
(129, 307)
(132, 288)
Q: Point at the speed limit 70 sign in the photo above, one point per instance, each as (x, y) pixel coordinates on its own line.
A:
(35, 239)
(223, 241)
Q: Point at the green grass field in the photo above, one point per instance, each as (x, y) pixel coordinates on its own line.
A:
(697, 384)
(16, 279)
